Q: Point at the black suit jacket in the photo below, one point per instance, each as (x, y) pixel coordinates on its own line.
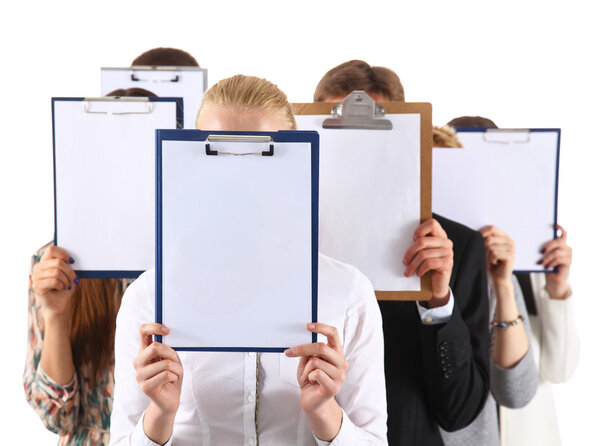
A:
(437, 375)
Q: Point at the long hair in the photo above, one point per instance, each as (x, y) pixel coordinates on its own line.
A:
(94, 308)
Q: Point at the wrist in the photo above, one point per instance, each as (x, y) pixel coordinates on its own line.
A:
(558, 293)
(158, 424)
(52, 318)
(437, 301)
(326, 420)
(503, 288)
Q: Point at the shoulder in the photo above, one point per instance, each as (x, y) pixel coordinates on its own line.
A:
(138, 300)
(463, 238)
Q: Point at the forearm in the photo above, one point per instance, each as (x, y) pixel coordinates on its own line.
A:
(511, 343)
(158, 425)
(57, 357)
(326, 421)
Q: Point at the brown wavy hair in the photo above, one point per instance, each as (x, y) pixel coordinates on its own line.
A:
(94, 308)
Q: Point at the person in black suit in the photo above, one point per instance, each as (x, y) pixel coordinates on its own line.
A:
(437, 352)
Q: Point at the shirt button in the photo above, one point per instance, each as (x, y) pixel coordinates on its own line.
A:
(428, 320)
(250, 398)
(251, 442)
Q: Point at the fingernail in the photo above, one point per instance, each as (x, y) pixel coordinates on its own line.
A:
(76, 280)
(69, 287)
(539, 262)
(288, 352)
(71, 260)
(164, 330)
(310, 326)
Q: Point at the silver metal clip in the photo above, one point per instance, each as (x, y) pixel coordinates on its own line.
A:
(239, 138)
(358, 111)
(136, 70)
(141, 105)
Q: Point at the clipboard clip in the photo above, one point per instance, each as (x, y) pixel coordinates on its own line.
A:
(358, 111)
(507, 136)
(239, 138)
(139, 110)
(140, 68)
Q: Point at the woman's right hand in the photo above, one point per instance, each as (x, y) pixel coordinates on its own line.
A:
(159, 371)
(53, 281)
(499, 254)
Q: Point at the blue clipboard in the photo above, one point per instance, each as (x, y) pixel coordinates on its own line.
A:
(201, 150)
(59, 238)
(557, 131)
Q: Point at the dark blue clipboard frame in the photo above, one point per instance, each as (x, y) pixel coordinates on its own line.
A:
(537, 130)
(121, 274)
(281, 136)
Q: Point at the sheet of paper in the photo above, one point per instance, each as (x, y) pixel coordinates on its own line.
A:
(508, 181)
(236, 245)
(369, 196)
(188, 83)
(104, 176)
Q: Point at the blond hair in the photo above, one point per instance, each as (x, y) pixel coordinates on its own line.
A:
(249, 92)
(445, 136)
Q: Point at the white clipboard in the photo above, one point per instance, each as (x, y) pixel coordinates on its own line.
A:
(237, 239)
(104, 181)
(188, 83)
(502, 177)
(375, 190)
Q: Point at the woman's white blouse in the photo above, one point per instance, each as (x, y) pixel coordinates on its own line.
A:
(220, 390)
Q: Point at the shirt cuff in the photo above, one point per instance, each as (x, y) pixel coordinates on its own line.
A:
(139, 438)
(55, 390)
(439, 315)
(345, 436)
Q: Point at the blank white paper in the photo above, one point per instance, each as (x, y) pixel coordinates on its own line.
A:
(190, 86)
(370, 196)
(236, 245)
(508, 182)
(105, 181)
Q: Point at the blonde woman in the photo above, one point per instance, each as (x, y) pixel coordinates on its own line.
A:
(318, 393)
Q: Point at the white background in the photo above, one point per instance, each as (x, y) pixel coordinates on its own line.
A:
(521, 63)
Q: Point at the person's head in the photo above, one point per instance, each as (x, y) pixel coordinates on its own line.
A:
(132, 93)
(165, 57)
(471, 121)
(245, 103)
(445, 136)
(381, 83)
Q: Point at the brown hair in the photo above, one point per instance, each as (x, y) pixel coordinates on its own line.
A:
(249, 92)
(165, 57)
(445, 137)
(359, 75)
(94, 308)
(131, 92)
(472, 121)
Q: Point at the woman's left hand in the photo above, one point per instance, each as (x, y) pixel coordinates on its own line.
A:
(557, 254)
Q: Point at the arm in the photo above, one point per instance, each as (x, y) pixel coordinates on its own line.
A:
(49, 380)
(559, 349)
(455, 354)
(357, 413)
(516, 386)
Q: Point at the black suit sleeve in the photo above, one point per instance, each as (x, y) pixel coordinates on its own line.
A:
(455, 355)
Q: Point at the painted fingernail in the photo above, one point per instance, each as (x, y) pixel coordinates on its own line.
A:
(164, 330)
(76, 280)
(539, 262)
(288, 352)
(69, 287)
(71, 260)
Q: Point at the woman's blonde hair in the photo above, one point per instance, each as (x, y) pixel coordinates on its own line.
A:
(249, 92)
(445, 136)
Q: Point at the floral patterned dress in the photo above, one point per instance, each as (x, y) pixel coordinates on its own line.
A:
(78, 412)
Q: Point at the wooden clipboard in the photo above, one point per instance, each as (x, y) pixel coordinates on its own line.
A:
(425, 121)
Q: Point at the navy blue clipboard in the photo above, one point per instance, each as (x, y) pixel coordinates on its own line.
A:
(537, 130)
(103, 274)
(277, 137)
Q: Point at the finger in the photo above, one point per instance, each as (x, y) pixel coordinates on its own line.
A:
(150, 329)
(42, 286)
(318, 349)
(492, 240)
(148, 371)
(439, 264)
(425, 243)
(552, 245)
(50, 266)
(563, 232)
(423, 256)
(154, 353)
(554, 256)
(150, 385)
(558, 262)
(321, 378)
(54, 252)
(51, 274)
(316, 363)
(486, 231)
(429, 227)
(330, 332)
